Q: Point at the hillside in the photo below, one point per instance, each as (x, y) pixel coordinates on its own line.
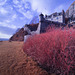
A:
(19, 35)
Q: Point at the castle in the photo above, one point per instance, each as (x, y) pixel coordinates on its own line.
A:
(44, 22)
(58, 19)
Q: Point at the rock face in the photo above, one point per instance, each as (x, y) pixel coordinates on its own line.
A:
(33, 27)
(18, 36)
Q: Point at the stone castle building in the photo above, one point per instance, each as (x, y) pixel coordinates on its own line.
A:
(56, 19)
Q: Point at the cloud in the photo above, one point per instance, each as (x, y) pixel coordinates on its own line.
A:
(7, 30)
(8, 16)
(2, 2)
(24, 8)
(27, 14)
(7, 24)
(49, 6)
(2, 35)
(15, 1)
(14, 17)
(7, 21)
(27, 5)
(3, 11)
(41, 6)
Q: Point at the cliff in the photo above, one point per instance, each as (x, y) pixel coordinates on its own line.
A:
(18, 36)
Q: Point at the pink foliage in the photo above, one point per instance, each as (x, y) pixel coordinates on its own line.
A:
(54, 50)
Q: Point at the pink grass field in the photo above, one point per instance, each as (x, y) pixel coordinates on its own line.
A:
(54, 51)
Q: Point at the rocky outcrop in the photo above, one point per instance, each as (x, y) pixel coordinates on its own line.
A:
(33, 27)
(18, 36)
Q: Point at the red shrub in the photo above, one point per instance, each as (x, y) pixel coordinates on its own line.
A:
(55, 51)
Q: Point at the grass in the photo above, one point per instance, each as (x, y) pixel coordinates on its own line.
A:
(13, 61)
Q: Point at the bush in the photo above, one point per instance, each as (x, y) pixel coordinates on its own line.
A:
(54, 51)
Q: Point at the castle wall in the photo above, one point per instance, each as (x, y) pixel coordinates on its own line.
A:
(38, 29)
(45, 24)
(26, 37)
(56, 19)
(27, 29)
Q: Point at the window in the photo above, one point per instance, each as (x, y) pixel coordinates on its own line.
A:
(57, 18)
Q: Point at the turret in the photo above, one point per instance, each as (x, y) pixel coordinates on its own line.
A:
(63, 13)
(41, 17)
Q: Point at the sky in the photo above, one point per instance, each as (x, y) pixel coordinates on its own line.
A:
(15, 14)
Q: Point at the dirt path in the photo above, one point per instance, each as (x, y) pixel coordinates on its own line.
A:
(13, 61)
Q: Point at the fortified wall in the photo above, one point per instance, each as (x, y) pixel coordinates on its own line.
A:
(58, 19)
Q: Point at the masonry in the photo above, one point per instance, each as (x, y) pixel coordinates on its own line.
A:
(59, 20)
(55, 19)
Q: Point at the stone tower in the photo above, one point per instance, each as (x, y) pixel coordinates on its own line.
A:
(41, 20)
(63, 13)
(42, 24)
(41, 17)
